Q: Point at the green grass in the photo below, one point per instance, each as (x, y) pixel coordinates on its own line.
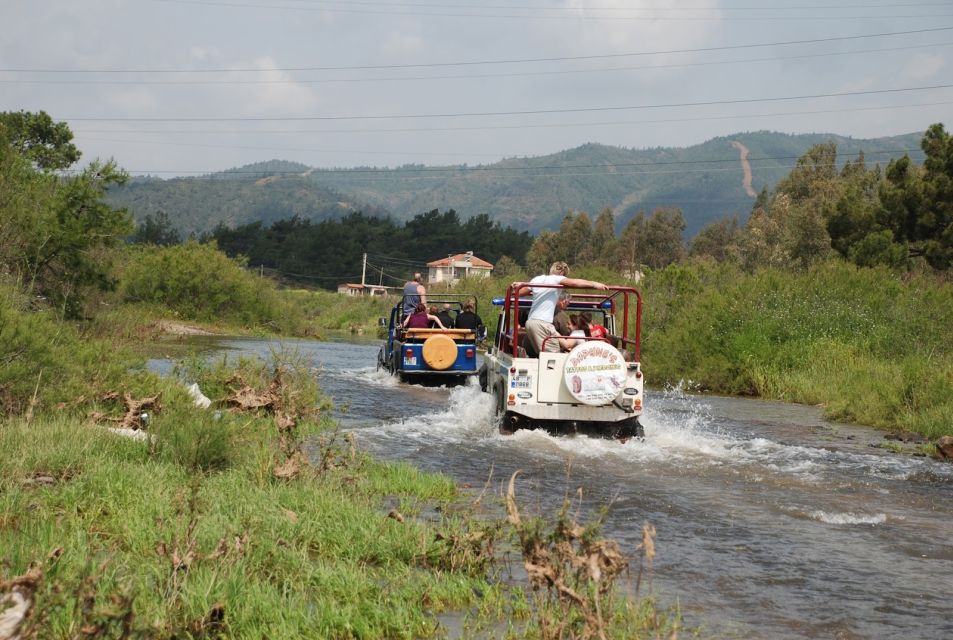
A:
(313, 557)
(871, 347)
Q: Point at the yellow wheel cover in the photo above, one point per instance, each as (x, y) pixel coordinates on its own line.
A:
(440, 352)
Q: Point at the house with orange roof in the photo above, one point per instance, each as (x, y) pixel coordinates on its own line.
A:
(457, 267)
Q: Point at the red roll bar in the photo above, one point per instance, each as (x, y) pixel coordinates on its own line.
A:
(511, 307)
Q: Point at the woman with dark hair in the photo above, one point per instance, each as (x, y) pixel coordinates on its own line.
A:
(420, 319)
(593, 330)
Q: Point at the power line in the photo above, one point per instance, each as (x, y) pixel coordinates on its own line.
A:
(402, 174)
(536, 15)
(607, 165)
(499, 61)
(520, 126)
(403, 261)
(268, 148)
(837, 7)
(271, 270)
(380, 270)
(477, 76)
(522, 112)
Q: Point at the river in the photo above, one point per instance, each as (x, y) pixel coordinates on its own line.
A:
(771, 522)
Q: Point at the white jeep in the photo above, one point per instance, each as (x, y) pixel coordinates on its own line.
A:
(595, 388)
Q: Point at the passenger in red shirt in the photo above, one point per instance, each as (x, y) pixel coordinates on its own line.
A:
(595, 330)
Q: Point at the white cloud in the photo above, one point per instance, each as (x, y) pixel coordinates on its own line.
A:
(639, 26)
(923, 67)
(205, 53)
(283, 96)
(134, 100)
(400, 44)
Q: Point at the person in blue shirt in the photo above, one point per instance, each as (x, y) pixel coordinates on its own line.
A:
(414, 294)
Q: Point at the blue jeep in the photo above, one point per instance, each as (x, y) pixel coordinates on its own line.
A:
(430, 356)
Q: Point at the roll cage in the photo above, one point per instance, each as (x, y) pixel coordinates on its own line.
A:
(627, 337)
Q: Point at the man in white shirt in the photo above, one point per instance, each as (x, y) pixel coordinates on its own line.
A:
(539, 323)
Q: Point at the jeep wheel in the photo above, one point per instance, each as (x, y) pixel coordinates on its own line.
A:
(503, 418)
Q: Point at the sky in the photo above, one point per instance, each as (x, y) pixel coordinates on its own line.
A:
(187, 87)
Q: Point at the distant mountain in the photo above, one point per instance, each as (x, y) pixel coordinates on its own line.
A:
(707, 181)
(266, 191)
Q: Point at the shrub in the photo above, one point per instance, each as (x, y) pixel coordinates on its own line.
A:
(199, 282)
(44, 361)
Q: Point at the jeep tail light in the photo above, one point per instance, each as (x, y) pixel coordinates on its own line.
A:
(469, 353)
(512, 371)
(638, 374)
(409, 353)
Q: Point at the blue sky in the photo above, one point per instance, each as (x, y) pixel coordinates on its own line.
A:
(176, 87)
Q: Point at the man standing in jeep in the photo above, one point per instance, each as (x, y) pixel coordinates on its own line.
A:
(539, 324)
(414, 294)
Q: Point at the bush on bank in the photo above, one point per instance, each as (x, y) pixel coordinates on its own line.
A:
(47, 362)
(872, 347)
(333, 312)
(198, 282)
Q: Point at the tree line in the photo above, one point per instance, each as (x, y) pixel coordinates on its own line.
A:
(322, 253)
(900, 217)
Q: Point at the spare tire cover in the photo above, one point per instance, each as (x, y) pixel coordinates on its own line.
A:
(440, 352)
(594, 372)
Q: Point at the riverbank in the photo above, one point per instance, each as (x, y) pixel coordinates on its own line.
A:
(256, 517)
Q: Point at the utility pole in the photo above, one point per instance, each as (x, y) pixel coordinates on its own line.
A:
(363, 269)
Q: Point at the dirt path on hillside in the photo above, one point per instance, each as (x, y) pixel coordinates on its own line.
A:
(746, 167)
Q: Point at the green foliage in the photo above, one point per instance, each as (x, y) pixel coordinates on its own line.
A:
(157, 230)
(718, 241)
(58, 235)
(655, 242)
(43, 142)
(917, 203)
(199, 282)
(330, 312)
(44, 362)
(873, 348)
(146, 548)
(879, 248)
(196, 440)
(323, 253)
(662, 241)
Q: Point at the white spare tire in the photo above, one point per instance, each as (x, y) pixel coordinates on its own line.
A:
(594, 373)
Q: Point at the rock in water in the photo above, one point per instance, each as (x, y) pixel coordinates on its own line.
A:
(944, 447)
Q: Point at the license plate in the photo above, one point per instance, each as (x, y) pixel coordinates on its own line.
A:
(410, 361)
(521, 383)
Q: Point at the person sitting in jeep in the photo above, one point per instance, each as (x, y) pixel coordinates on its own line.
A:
(468, 319)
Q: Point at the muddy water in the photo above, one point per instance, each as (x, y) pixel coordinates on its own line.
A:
(771, 522)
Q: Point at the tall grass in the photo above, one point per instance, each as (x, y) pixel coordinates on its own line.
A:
(192, 533)
(870, 346)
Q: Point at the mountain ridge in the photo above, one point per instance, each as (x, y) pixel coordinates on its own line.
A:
(706, 181)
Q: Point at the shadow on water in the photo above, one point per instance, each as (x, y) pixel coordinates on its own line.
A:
(772, 522)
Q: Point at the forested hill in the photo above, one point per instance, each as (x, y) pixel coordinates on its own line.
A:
(706, 181)
(265, 192)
